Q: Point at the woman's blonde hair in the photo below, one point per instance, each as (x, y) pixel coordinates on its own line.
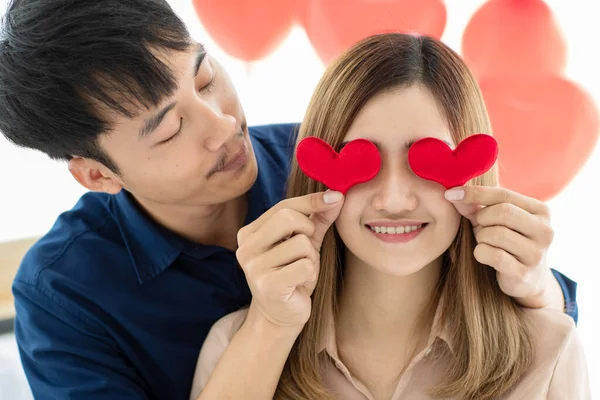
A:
(492, 345)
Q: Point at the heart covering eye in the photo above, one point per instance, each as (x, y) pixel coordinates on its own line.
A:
(429, 158)
(358, 162)
(434, 160)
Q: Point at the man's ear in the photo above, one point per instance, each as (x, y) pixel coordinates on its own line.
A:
(94, 176)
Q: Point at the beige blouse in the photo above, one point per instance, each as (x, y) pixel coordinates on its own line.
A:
(559, 371)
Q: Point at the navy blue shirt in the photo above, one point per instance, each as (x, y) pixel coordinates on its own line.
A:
(110, 305)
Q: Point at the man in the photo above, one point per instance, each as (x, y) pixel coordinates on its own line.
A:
(115, 301)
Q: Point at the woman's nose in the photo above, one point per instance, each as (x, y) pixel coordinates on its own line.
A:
(395, 194)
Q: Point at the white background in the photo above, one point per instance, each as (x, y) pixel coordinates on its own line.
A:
(34, 189)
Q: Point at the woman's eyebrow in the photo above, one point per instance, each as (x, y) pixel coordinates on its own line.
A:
(409, 143)
(375, 142)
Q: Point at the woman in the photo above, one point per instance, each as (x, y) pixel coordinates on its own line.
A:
(402, 309)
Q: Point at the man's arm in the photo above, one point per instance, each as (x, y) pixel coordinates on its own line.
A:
(251, 364)
(279, 255)
(65, 355)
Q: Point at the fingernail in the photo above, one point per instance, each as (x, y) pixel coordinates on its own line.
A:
(454, 194)
(331, 197)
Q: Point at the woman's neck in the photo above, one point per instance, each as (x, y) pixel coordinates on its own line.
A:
(383, 321)
(381, 307)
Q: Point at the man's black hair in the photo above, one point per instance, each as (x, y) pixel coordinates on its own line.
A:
(62, 61)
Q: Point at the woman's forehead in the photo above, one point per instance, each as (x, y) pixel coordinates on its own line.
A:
(396, 118)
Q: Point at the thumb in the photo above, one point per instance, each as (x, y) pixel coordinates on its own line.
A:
(323, 221)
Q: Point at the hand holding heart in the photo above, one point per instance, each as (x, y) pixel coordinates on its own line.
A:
(512, 231)
(513, 234)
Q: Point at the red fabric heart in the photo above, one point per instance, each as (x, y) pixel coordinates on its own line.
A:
(433, 160)
(358, 162)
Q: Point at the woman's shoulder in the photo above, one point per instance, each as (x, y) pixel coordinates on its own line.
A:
(550, 326)
(219, 337)
(559, 368)
(551, 331)
(227, 327)
(214, 346)
(551, 318)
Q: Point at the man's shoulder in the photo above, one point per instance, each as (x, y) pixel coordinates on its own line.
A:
(276, 134)
(274, 148)
(78, 239)
(277, 141)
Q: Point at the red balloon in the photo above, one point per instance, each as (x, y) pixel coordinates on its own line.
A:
(301, 13)
(546, 129)
(514, 38)
(333, 26)
(247, 29)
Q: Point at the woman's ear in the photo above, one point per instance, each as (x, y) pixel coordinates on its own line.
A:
(94, 176)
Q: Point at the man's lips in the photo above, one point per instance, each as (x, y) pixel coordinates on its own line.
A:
(233, 162)
(237, 160)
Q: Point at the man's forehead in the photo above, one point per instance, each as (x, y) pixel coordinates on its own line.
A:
(178, 63)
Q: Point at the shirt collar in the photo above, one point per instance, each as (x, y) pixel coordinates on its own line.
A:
(152, 248)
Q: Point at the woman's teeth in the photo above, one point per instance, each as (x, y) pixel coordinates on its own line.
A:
(390, 230)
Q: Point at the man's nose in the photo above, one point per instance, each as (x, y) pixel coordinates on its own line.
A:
(222, 128)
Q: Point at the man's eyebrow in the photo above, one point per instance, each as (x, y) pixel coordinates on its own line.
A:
(200, 55)
(153, 122)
